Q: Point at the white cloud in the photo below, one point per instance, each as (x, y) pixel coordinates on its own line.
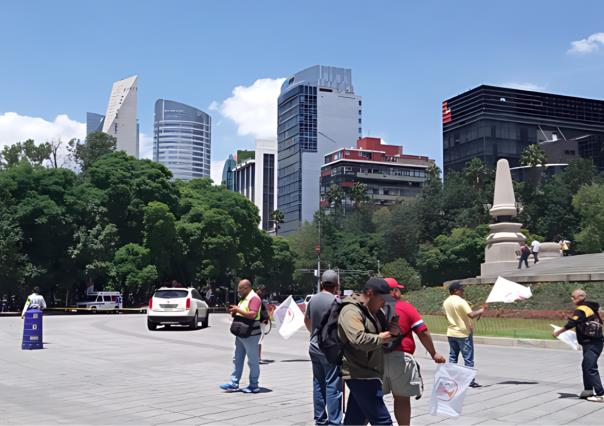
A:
(17, 128)
(587, 45)
(216, 167)
(145, 146)
(524, 86)
(253, 108)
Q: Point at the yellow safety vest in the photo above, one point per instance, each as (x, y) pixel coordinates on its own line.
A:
(244, 305)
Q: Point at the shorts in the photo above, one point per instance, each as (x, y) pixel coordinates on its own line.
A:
(402, 375)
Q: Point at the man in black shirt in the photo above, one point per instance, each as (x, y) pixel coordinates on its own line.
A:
(588, 325)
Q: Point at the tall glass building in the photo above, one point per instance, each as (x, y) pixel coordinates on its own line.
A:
(94, 122)
(318, 112)
(182, 139)
(227, 173)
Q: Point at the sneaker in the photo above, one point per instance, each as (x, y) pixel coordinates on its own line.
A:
(596, 398)
(229, 386)
(251, 389)
(586, 394)
(475, 385)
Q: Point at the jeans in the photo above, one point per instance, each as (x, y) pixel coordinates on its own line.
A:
(465, 345)
(366, 403)
(536, 256)
(246, 346)
(524, 259)
(591, 375)
(326, 391)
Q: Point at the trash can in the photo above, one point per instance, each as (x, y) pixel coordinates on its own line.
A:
(32, 330)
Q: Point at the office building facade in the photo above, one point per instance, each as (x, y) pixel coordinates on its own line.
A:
(318, 112)
(120, 118)
(256, 178)
(390, 175)
(182, 139)
(491, 122)
(94, 122)
(227, 173)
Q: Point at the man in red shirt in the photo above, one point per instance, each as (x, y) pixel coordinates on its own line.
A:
(401, 372)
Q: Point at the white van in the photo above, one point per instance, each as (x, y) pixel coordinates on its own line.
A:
(102, 301)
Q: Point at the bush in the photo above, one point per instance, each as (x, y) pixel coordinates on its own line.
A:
(403, 272)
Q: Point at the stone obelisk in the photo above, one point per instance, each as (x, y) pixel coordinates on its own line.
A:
(503, 241)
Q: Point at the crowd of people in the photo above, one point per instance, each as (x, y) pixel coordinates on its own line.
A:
(373, 357)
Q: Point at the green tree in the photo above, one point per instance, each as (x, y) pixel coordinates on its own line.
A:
(160, 238)
(277, 218)
(97, 144)
(532, 156)
(358, 194)
(589, 204)
(404, 273)
(134, 272)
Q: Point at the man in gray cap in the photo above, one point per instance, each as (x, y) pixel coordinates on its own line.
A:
(327, 380)
(363, 337)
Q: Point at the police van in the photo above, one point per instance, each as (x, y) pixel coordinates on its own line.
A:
(102, 301)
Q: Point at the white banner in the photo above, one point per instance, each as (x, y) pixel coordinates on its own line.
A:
(507, 291)
(569, 337)
(289, 317)
(450, 384)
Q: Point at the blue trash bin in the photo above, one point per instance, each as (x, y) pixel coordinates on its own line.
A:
(32, 330)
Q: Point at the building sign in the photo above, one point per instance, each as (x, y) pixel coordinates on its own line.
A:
(446, 113)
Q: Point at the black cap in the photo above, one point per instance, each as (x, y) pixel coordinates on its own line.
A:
(378, 285)
(455, 285)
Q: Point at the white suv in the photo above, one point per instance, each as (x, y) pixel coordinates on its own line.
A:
(173, 306)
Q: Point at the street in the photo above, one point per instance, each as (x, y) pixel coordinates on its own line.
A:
(109, 369)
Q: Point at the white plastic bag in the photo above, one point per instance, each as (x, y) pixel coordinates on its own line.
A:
(569, 337)
(450, 384)
(507, 291)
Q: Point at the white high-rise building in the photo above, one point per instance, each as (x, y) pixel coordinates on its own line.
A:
(256, 179)
(318, 113)
(120, 119)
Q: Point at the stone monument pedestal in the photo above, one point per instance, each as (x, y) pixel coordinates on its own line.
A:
(502, 245)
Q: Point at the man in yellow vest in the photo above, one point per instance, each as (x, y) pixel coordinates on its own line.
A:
(246, 328)
(587, 323)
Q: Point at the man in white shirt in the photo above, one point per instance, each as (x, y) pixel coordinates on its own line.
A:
(34, 301)
(535, 245)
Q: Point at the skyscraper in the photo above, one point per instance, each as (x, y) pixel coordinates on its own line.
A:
(120, 119)
(491, 122)
(94, 122)
(255, 177)
(318, 112)
(227, 173)
(182, 139)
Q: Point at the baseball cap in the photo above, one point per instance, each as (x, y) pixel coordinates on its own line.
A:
(330, 276)
(392, 283)
(378, 285)
(455, 285)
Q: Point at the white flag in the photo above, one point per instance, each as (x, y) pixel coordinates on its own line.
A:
(450, 384)
(507, 291)
(569, 337)
(289, 317)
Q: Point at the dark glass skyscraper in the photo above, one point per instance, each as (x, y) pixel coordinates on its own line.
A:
(318, 112)
(227, 173)
(494, 122)
(182, 139)
(94, 122)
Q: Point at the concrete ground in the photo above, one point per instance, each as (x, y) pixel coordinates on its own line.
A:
(108, 369)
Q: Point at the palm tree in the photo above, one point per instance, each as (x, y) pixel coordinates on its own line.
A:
(358, 194)
(334, 196)
(533, 155)
(277, 218)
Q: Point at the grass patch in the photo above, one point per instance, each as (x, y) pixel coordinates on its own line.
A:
(500, 327)
(546, 296)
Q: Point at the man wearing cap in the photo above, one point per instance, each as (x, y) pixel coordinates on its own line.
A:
(401, 371)
(363, 337)
(327, 380)
(460, 329)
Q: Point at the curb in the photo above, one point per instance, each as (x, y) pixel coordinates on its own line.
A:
(511, 342)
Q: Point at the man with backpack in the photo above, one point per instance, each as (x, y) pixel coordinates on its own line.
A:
(524, 255)
(402, 374)
(588, 325)
(362, 337)
(327, 380)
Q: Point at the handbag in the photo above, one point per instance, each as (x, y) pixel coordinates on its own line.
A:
(242, 327)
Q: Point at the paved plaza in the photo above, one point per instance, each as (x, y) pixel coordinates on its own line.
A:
(109, 369)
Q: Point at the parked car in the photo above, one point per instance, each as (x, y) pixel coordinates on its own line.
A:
(102, 301)
(177, 306)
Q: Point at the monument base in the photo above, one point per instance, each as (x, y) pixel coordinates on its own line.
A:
(493, 269)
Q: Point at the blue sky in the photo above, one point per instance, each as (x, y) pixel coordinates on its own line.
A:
(61, 57)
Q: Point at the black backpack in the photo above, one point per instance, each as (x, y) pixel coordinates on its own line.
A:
(327, 332)
(264, 315)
